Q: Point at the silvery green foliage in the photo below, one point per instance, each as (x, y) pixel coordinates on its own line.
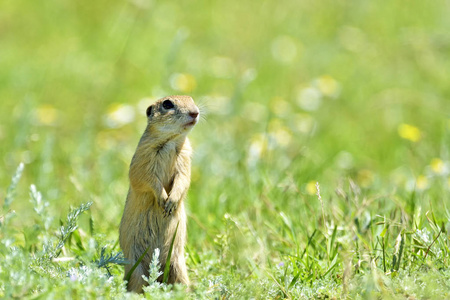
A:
(7, 214)
(157, 290)
(69, 228)
(153, 270)
(12, 187)
(30, 261)
(107, 259)
(40, 206)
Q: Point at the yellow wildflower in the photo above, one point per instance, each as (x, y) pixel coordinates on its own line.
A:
(46, 114)
(311, 187)
(437, 165)
(279, 132)
(421, 182)
(183, 82)
(328, 86)
(409, 132)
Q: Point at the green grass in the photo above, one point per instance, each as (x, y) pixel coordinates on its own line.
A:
(353, 95)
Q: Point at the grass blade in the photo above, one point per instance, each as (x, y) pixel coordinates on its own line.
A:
(331, 243)
(167, 267)
(294, 280)
(127, 278)
(286, 294)
(398, 250)
(334, 263)
(309, 242)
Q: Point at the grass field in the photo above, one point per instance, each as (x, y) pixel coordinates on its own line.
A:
(321, 166)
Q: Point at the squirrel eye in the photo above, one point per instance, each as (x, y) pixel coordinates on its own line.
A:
(149, 110)
(168, 104)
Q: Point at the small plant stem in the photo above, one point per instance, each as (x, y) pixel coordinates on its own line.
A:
(323, 218)
(384, 255)
(429, 247)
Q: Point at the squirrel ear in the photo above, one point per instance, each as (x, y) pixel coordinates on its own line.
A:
(149, 110)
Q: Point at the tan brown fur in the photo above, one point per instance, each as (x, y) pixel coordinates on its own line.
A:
(159, 180)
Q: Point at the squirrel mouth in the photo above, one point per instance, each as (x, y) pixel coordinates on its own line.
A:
(191, 123)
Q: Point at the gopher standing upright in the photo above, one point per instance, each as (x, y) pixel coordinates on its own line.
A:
(159, 179)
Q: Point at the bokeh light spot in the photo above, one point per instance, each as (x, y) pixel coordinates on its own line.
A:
(284, 49)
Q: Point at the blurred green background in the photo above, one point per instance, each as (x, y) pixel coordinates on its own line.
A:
(292, 92)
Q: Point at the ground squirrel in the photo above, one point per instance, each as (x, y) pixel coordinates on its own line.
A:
(159, 179)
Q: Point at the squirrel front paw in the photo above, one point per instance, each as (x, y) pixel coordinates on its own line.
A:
(162, 202)
(170, 206)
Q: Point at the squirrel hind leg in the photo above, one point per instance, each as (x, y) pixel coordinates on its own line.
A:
(136, 282)
(178, 273)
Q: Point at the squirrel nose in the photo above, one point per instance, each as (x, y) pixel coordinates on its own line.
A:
(193, 114)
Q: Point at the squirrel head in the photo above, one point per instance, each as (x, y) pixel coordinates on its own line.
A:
(173, 115)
